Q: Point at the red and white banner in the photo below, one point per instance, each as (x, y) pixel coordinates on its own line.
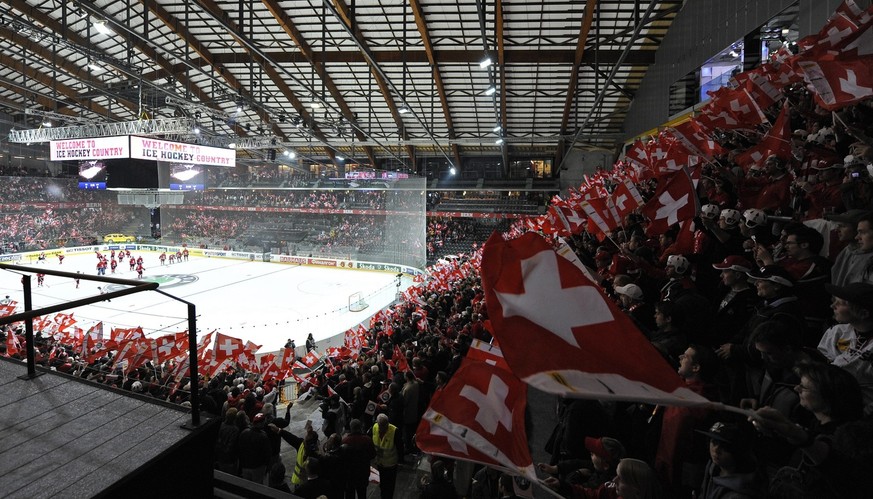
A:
(674, 201)
(586, 346)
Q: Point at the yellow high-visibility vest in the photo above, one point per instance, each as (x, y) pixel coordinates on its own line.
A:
(386, 451)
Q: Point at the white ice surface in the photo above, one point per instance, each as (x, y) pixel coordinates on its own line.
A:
(266, 303)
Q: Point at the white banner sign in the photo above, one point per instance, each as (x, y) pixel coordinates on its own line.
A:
(178, 152)
(90, 149)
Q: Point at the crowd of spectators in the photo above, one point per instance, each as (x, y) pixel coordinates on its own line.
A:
(443, 232)
(766, 304)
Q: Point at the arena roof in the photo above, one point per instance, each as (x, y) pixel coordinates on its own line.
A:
(361, 78)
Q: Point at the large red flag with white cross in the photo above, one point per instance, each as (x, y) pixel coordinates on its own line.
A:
(479, 416)
(561, 334)
(674, 201)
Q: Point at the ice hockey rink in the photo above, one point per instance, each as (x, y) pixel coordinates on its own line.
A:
(265, 303)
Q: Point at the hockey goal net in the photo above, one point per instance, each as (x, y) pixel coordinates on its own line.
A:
(357, 302)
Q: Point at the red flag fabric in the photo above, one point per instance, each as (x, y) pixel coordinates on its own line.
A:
(288, 358)
(674, 201)
(838, 83)
(581, 345)
(626, 198)
(695, 140)
(311, 359)
(12, 344)
(400, 360)
(8, 308)
(601, 214)
(227, 347)
(776, 141)
(483, 406)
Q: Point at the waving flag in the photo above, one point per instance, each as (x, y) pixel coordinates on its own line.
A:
(838, 83)
(626, 198)
(561, 334)
(776, 141)
(674, 201)
(479, 416)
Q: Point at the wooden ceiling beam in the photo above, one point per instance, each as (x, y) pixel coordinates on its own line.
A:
(287, 24)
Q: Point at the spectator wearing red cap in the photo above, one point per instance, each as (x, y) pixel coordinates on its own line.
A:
(736, 302)
(254, 450)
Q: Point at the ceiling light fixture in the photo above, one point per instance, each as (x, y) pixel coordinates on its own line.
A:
(491, 90)
(403, 110)
(102, 28)
(499, 141)
(232, 145)
(497, 128)
(94, 67)
(485, 62)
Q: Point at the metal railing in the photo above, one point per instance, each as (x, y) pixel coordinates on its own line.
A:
(28, 315)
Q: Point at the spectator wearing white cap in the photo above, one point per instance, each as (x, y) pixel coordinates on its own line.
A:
(736, 302)
(633, 302)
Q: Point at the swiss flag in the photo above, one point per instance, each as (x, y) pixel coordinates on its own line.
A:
(626, 198)
(288, 358)
(227, 347)
(8, 308)
(844, 25)
(480, 416)
(311, 359)
(776, 141)
(12, 344)
(601, 214)
(695, 139)
(580, 345)
(166, 348)
(838, 83)
(400, 360)
(674, 201)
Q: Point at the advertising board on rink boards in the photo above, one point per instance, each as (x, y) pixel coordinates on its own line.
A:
(234, 255)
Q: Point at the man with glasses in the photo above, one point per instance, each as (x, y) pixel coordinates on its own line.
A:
(809, 270)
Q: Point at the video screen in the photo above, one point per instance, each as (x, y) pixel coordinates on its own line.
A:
(187, 177)
(92, 174)
(131, 174)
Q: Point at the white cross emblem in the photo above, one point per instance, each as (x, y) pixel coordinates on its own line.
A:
(574, 218)
(670, 207)
(166, 348)
(620, 201)
(227, 347)
(835, 35)
(659, 153)
(492, 405)
(743, 109)
(574, 307)
(850, 86)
